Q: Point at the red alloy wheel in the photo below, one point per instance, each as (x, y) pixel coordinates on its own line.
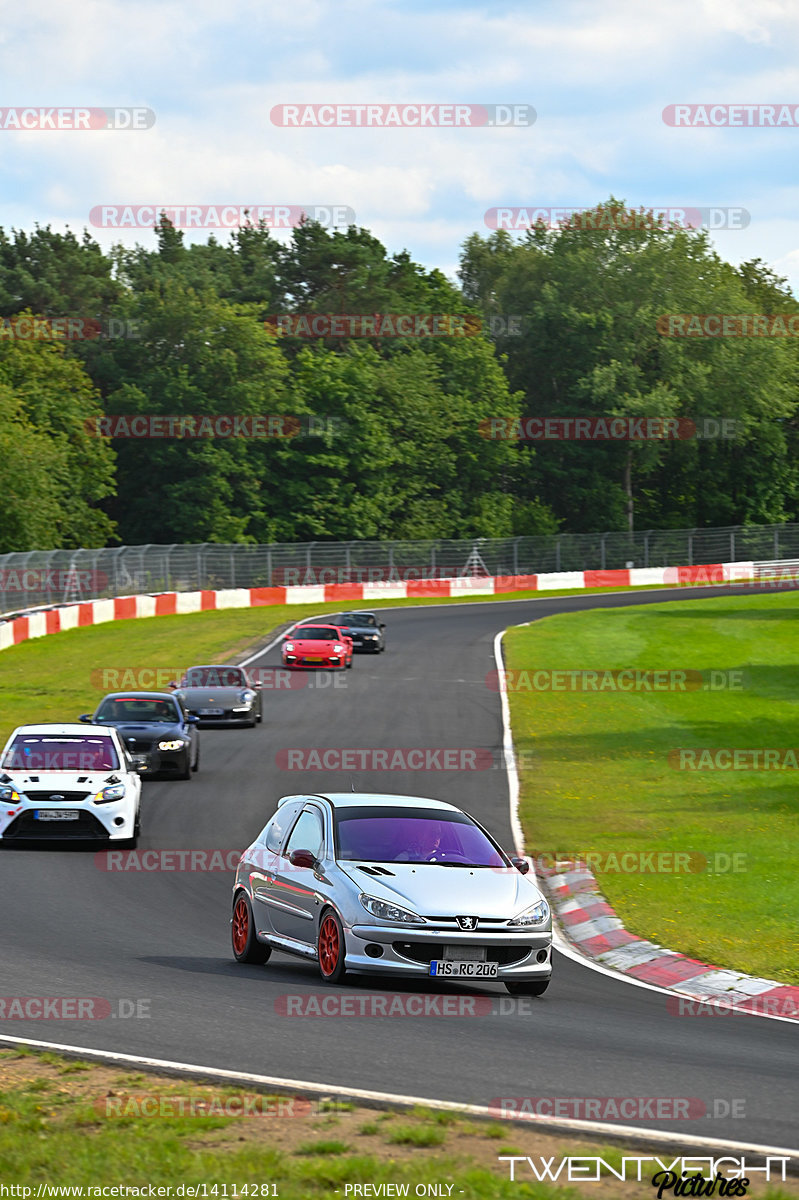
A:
(331, 948)
(241, 926)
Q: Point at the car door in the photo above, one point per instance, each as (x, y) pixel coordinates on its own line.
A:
(295, 895)
(265, 863)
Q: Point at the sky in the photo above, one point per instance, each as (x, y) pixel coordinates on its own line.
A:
(598, 75)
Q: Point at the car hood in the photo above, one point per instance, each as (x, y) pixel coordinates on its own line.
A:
(209, 696)
(309, 645)
(64, 781)
(141, 729)
(362, 629)
(431, 890)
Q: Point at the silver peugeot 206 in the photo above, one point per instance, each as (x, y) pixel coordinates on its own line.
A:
(397, 885)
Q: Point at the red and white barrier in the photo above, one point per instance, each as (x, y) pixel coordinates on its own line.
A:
(96, 612)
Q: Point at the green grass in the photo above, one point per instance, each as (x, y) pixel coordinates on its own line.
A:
(597, 778)
(62, 1137)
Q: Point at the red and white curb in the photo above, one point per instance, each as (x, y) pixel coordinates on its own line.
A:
(42, 622)
(588, 929)
(592, 926)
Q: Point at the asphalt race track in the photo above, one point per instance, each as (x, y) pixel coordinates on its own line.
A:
(72, 929)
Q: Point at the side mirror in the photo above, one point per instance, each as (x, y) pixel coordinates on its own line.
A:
(382, 626)
(86, 718)
(521, 865)
(302, 858)
(191, 719)
(172, 684)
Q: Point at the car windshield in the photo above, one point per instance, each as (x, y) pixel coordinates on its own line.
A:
(134, 710)
(385, 835)
(213, 677)
(317, 634)
(39, 752)
(366, 619)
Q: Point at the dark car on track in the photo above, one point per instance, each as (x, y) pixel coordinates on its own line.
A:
(221, 695)
(365, 629)
(161, 736)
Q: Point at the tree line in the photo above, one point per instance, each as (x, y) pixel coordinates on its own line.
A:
(325, 389)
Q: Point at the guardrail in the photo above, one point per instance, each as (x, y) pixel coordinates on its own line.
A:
(44, 577)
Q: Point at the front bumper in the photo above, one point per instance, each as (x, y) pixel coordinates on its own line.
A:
(162, 762)
(94, 822)
(409, 949)
(319, 663)
(226, 717)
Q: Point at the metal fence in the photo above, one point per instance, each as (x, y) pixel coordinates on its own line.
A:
(45, 577)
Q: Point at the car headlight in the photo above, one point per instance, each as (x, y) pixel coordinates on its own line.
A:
(176, 745)
(8, 795)
(289, 646)
(338, 649)
(107, 795)
(246, 702)
(536, 915)
(389, 912)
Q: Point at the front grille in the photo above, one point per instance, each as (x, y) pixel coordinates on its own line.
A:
(484, 924)
(57, 797)
(26, 826)
(425, 952)
(139, 745)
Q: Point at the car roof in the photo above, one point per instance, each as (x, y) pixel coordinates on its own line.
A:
(140, 696)
(372, 800)
(61, 727)
(318, 625)
(213, 667)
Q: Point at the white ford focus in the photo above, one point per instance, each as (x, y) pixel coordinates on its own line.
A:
(68, 782)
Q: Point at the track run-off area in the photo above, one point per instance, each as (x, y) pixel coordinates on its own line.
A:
(155, 944)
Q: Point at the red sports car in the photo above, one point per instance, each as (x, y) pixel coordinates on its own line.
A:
(317, 646)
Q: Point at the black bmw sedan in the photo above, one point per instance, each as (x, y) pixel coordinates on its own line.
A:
(161, 736)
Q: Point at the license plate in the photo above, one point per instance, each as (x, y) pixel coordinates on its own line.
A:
(211, 712)
(314, 660)
(56, 814)
(464, 968)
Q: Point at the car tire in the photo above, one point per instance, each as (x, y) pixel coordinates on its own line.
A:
(534, 987)
(246, 947)
(260, 716)
(196, 766)
(331, 951)
(186, 774)
(348, 665)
